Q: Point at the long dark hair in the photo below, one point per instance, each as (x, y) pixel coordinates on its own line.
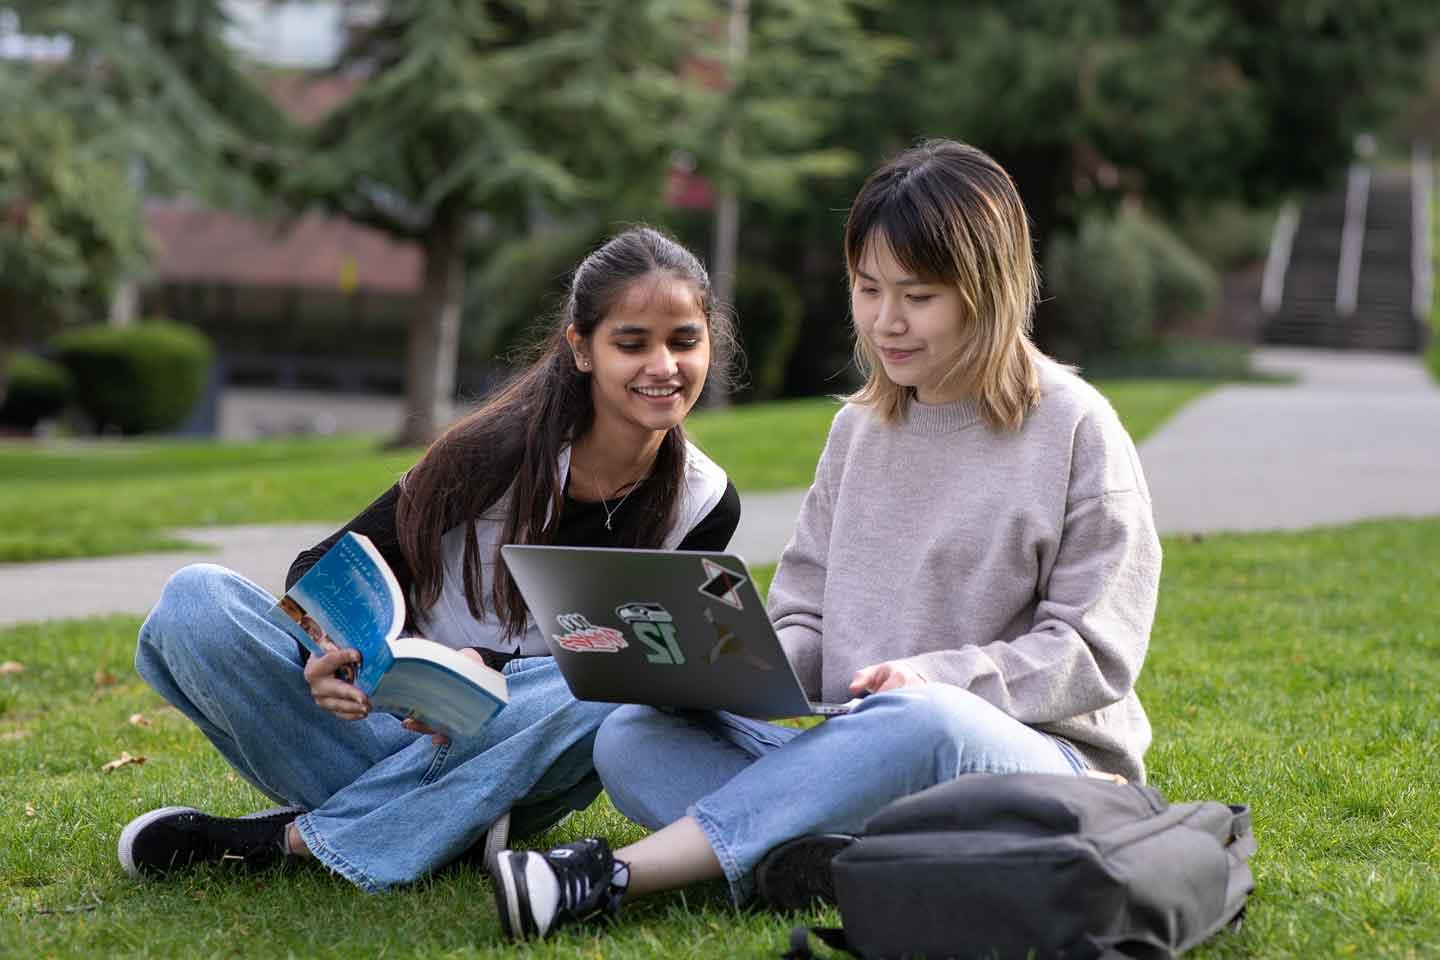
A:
(512, 443)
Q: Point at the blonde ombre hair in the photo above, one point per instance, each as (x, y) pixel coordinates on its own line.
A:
(951, 215)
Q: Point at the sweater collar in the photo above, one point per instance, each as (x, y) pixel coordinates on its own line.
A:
(936, 418)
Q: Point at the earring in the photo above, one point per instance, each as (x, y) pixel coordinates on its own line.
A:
(582, 363)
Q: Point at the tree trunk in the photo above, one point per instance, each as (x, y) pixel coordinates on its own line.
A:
(433, 347)
(727, 205)
(124, 303)
(6, 352)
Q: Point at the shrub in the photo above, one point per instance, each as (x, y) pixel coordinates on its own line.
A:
(1104, 287)
(1120, 278)
(1228, 235)
(1184, 284)
(139, 379)
(769, 312)
(37, 389)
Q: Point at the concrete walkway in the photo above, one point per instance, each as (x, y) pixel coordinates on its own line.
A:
(130, 584)
(1357, 436)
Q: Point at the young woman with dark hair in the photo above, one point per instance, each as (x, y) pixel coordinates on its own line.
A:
(976, 558)
(585, 447)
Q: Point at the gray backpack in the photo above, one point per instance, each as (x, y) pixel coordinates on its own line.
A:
(1039, 866)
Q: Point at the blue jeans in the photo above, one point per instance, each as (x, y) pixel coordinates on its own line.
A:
(386, 806)
(753, 785)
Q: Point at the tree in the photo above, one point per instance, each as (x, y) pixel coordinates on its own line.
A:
(787, 68)
(149, 91)
(69, 224)
(153, 85)
(489, 121)
(1182, 102)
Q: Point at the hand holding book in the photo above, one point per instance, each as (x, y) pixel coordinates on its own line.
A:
(348, 611)
(332, 690)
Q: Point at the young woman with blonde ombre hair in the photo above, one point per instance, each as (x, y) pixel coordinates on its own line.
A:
(976, 558)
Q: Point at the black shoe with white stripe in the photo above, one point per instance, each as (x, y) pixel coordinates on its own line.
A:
(537, 892)
(174, 838)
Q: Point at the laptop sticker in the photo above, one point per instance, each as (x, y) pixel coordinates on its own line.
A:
(654, 627)
(582, 636)
(721, 584)
(727, 644)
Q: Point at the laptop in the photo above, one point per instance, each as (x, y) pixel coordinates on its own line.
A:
(660, 627)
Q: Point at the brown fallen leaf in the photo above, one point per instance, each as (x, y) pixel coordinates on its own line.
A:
(125, 760)
(12, 666)
(104, 678)
(138, 720)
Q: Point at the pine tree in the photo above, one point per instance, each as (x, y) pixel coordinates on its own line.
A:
(492, 118)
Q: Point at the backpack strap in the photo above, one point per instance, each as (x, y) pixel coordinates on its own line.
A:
(1239, 848)
(832, 937)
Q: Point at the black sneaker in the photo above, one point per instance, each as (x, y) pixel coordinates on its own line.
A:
(173, 838)
(537, 892)
(796, 875)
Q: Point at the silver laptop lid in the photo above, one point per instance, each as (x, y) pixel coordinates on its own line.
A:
(659, 627)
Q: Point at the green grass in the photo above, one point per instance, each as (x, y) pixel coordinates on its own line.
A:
(99, 499)
(1299, 673)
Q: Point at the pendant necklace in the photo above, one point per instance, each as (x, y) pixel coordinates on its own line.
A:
(605, 504)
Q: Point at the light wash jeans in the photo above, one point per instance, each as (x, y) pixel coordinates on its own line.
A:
(386, 806)
(753, 785)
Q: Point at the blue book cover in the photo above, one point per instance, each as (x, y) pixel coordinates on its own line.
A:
(350, 598)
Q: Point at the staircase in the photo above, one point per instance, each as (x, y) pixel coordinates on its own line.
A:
(1383, 289)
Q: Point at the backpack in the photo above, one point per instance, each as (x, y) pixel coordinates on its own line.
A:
(1039, 866)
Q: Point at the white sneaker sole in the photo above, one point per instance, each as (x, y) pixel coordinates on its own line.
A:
(503, 866)
(497, 838)
(126, 847)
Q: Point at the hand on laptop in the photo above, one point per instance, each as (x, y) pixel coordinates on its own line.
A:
(884, 676)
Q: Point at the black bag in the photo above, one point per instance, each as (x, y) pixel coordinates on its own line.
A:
(1037, 865)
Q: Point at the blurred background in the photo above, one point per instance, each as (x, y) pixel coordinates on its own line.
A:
(241, 218)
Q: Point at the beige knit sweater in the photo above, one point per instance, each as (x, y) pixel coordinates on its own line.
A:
(1021, 566)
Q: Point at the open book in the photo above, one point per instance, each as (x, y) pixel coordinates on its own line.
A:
(350, 598)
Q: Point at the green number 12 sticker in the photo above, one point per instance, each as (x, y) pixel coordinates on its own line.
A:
(660, 639)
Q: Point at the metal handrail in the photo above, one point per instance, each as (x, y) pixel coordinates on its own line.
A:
(1422, 262)
(1277, 261)
(1352, 240)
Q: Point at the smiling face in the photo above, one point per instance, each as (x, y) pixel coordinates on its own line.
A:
(912, 325)
(648, 357)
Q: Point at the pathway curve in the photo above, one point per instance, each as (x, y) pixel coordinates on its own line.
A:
(1357, 436)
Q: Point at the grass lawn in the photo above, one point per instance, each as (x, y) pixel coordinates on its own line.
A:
(1299, 673)
(110, 498)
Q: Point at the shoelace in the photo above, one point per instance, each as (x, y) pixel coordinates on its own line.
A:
(576, 888)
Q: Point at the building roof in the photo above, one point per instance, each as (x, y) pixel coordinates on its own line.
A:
(195, 244)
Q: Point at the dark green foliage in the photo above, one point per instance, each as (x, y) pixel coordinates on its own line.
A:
(1227, 235)
(1104, 288)
(514, 297)
(154, 85)
(1184, 285)
(140, 379)
(37, 389)
(1119, 279)
(768, 316)
(69, 219)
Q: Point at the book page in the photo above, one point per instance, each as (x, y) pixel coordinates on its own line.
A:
(441, 687)
(349, 598)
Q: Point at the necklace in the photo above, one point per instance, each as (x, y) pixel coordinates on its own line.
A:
(605, 504)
